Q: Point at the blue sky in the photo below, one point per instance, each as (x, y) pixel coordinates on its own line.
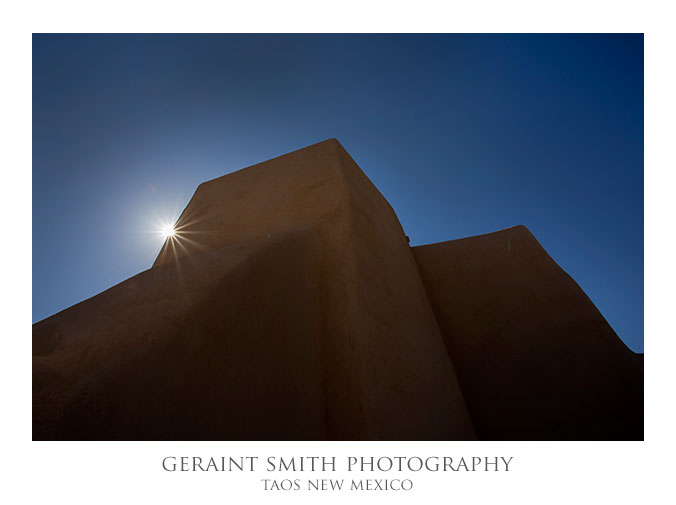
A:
(463, 134)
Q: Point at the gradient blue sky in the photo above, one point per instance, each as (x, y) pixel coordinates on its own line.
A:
(463, 134)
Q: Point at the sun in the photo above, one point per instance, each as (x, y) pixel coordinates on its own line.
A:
(168, 231)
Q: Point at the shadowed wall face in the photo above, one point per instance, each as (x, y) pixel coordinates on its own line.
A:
(534, 357)
(226, 350)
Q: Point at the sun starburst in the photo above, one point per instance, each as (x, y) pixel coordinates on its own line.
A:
(168, 231)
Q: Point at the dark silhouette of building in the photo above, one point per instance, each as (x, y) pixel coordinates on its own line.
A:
(289, 305)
